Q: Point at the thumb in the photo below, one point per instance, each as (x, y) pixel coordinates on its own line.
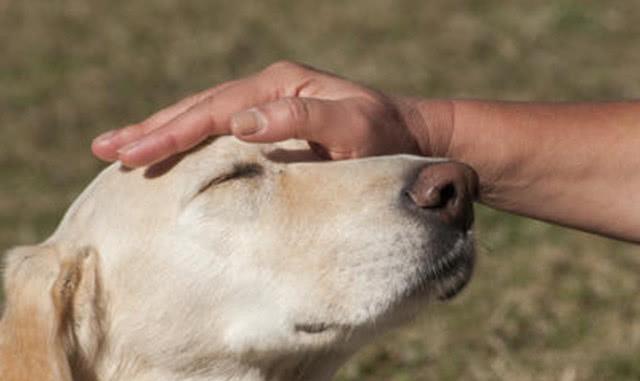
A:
(309, 119)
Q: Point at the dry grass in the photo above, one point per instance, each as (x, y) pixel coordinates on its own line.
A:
(546, 304)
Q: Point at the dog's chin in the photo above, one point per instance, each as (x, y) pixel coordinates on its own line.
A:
(449, 288)
(450, 273)
(446, 272)
(443, 277)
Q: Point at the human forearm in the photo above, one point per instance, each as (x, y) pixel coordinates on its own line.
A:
(573, 164)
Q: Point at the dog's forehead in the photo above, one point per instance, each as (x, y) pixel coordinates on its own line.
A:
(291, 144)
(225, 152)
(211, 158)
(163, 188)
(231, 149)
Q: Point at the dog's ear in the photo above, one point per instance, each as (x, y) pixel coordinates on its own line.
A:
(50, 327)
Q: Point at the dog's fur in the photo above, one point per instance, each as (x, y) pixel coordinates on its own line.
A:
(236, 262)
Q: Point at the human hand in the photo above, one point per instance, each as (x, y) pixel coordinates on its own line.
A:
(340, 119)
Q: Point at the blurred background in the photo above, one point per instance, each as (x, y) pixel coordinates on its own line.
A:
(546, 303)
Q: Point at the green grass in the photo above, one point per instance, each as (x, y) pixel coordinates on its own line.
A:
(546, 303)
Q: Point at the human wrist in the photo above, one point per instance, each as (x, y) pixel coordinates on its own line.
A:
(430, 123)
(475, 133)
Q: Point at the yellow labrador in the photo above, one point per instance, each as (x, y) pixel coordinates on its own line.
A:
(235, 262)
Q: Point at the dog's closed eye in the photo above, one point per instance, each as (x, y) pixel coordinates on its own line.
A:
(238, 171)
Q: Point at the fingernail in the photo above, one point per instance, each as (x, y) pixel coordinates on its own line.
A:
(104, 138)
(248, 122)
(129, 148)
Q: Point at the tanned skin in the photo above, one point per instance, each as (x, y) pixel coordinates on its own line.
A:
(573, 164)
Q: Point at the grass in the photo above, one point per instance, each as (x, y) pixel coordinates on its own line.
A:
(546, 303)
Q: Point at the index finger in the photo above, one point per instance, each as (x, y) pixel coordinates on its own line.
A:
(106, 146)
(209, 117)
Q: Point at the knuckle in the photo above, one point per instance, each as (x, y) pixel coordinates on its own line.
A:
(211, 115)
(362, 130)
(171, 143)
(284, 66)
(288, 77)
(297, 110)
(146, 125)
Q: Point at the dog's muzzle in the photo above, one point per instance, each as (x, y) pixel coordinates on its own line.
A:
(444, 193)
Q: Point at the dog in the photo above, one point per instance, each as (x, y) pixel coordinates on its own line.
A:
(235, 262)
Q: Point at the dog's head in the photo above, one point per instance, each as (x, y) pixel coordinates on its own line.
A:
(248, 258)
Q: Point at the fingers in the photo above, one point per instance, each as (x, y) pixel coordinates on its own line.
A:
(106, 146)
(327, 122)
(206, 118)
(190, 121)
(180, 134)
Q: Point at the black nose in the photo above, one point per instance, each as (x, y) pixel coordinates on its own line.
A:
(448, 189)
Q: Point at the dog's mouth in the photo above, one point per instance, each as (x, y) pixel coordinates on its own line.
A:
(450, 273)
(313, 328)
(448, 288)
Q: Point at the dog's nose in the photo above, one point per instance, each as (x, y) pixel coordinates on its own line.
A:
(448, 189)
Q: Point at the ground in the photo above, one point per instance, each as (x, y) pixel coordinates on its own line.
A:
(546, 303)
